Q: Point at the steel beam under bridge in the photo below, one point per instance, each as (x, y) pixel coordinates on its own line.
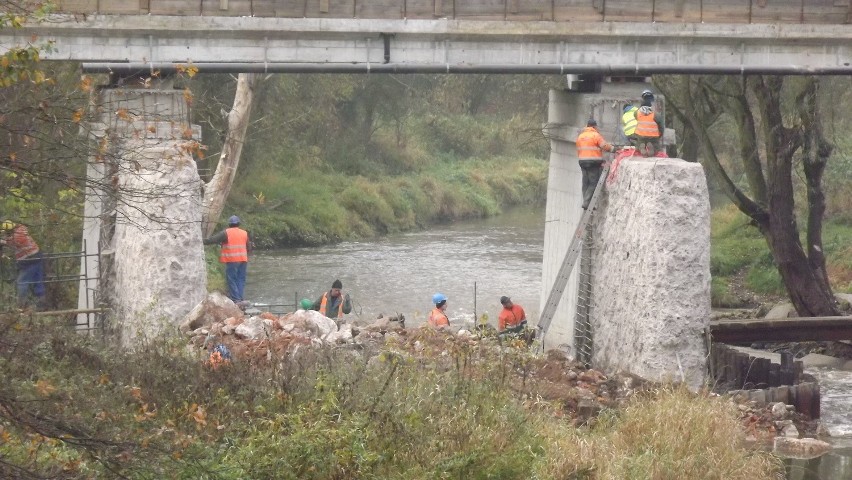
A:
(454, 46)
(782, 330)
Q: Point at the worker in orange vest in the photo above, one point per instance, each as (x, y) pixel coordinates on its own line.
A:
(28, 261)
(334, 303)
(236, 245)
(590, 147)
(437, 317)
(512, 317)
(649, 127)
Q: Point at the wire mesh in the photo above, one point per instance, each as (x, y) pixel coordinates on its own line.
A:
(583, 333)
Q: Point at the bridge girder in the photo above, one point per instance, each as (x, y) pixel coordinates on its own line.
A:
(440, 46)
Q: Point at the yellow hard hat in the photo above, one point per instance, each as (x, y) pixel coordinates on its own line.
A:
(7, 225)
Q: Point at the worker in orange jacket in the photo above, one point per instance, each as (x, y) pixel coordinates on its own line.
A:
(590, 147)
(437, 317)
(649, 127)
(512, 317)
(236, 245)
(28, 261)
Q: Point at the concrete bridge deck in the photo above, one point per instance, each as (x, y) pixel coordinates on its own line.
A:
(445, 46)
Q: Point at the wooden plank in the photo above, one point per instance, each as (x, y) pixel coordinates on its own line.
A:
(774, 375)
(481, 10)
(286, 8)
(424, 9)
(236, 8)
(761, 369)
(118, 7)
(787, 368)
(807, 400)
(628, 10)
(174, 7)
(78, 6)
(530, 10)
(677, 11)
(379, 8)
(312, 9)
(578, 10)
(725, 11)
(782, 330)
(798, 369)
(776, 11)
(824, 12)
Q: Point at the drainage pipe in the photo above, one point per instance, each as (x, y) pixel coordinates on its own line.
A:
(141, 68)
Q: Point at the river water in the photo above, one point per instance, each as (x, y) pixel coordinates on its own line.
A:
(400, 273)
(493, 257)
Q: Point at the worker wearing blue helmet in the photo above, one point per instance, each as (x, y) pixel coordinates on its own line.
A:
(236, 245)
(437, 317)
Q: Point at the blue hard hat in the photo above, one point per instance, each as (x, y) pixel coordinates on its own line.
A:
(234, 220)
(438, 298)
(628, 107)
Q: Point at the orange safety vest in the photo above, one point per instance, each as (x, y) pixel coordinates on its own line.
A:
(647, 126)
(589, 145)
(23, 243)
(438, 318)
(235, 248)
(324, 306)
(511, 317)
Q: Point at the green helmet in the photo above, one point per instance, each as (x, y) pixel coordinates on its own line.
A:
(306, 304)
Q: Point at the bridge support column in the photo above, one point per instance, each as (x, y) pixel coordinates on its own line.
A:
(651, 286)
(568, 112)
(144, 208)
(562, 213)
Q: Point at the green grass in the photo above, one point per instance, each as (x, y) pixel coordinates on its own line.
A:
(306, 208)
(737, 248)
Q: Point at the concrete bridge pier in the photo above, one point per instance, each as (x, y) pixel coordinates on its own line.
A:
(650, 268)
(143, 209)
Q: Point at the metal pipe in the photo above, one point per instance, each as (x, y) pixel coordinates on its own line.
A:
(139, 68)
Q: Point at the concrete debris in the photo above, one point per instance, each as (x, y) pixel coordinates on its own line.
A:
(800, 447)
(215, 308)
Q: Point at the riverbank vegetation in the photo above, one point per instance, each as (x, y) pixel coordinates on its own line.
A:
(336, 157)
(79, 407)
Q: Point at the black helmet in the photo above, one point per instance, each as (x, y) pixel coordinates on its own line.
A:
(647, 94)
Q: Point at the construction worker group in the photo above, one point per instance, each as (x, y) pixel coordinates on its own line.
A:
(643, 129)
(236, 245)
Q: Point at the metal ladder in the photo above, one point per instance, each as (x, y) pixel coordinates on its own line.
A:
(571, 255)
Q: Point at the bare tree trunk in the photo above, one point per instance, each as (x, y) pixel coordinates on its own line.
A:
(216, 191)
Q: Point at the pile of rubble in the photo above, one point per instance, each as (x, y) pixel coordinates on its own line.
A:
(780, 426)
(218, 319)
